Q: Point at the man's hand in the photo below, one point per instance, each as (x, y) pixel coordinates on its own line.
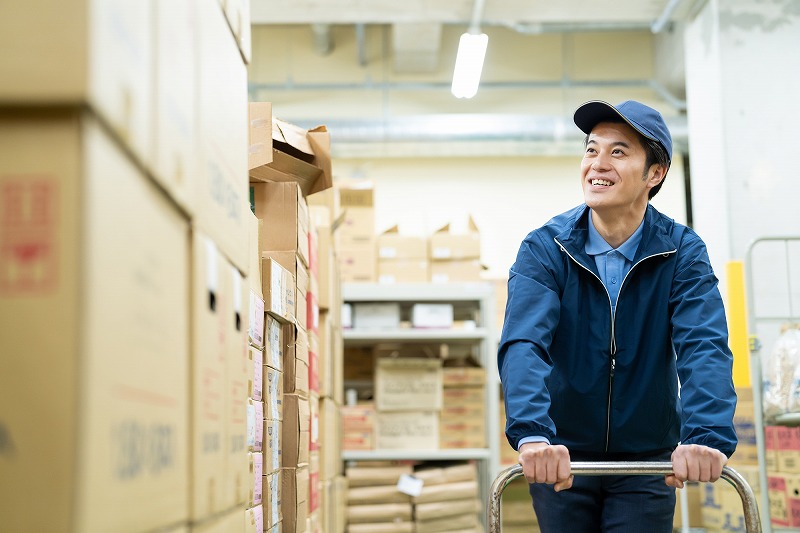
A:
(694, 462)
(543, 463)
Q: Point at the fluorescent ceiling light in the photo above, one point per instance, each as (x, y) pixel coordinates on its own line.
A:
(469, 64)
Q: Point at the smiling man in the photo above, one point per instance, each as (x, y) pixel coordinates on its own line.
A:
(610, 306)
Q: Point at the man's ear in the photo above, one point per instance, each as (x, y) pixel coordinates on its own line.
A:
(656, 174)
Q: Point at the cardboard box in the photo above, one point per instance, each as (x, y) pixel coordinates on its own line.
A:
(410, 430)
(778, 504)
(254, 519)
(788, 454)
(330, 437)
(273, 495)
(296, 430)
(466, 270)
(294, 501)
(744, 423)
(238, 372)
(222, 201)
(255, 378)
(259, 134)
(256, 472)
(115, 432)
(447, 246)
(793, 499)
(255, 322)
(408, 383)
(466, 397)
(459, 376)
(368, 315)
(295, 363)
(255, 425)
(357, 228)
(255, 226)
(105, 57)
(313, 436)
(313, 364)
(394, 246)
(275, 337)
(173, 143)
(279, 289)
(313, 482)
(771, 447)
(273, 393)
(284, 211)
(233, 519)
(211, 300)
(357, 262)
(237, 13)
(291, 262)
(403, 271)
(273, 451)
(326, 359)
(432, 315)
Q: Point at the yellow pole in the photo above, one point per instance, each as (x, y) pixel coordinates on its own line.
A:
(737, 324)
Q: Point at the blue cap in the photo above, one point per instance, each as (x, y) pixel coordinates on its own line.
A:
(642, 118)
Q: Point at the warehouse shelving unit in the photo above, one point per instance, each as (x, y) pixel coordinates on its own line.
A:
(477, 295)
(769, 271)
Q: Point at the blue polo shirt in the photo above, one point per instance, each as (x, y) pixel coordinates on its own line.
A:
(612, 265)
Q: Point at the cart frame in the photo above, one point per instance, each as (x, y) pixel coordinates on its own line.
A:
(494, 515)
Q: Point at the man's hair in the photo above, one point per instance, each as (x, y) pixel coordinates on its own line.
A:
(655, 153)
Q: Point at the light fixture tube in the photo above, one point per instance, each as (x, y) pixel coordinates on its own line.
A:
(469, 64)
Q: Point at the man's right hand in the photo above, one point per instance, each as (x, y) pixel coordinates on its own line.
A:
(545, 463)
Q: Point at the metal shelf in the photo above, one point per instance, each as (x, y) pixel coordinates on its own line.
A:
(417, 292)
(788, 419)
(416, 455)
(475, 334)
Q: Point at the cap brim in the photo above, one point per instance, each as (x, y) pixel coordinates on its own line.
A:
(593, 113)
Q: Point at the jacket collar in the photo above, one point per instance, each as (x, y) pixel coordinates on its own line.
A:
(655, 238)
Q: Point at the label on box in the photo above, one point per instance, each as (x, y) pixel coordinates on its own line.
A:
(257, 469)
(258, 375)
(256, 326)
(255, 518)
(387, 252)
(277, 289)
(441, 252)
(251, 425)
(410, 485)
(275, 351)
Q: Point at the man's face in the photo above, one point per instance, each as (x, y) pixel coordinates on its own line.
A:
(613, 169)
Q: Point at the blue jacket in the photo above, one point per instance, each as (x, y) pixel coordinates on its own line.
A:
(603, 382)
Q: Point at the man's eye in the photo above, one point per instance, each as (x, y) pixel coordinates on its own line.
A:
(617, 151)
(590, 150)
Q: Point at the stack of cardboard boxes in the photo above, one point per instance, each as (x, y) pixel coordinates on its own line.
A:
(123, 199)
(355, 236)
(327, 379)
(455, 256)
(783, 474)
(463, 423)
(402, 258)
(299, 268)
(517, 511)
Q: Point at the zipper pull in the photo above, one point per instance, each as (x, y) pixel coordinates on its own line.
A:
(613, 366)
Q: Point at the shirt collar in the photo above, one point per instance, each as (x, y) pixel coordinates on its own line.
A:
(596, 245)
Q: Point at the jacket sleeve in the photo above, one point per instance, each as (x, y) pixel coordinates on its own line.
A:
(531, 316)
(704, 360)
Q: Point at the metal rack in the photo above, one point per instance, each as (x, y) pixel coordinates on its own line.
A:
(767, 266)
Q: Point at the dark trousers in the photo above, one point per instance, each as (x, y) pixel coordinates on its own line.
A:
(607, 504)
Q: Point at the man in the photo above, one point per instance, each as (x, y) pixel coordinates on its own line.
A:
(609, 305)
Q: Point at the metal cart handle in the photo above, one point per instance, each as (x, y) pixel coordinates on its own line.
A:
(751, 519)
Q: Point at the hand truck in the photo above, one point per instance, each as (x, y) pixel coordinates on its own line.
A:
(751, 518)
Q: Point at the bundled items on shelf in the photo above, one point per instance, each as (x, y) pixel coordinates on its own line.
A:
(448, 500)
(402, 258)
(374, 504)
(455, 256)
(781, 375)
(517, 509)
(783, 474)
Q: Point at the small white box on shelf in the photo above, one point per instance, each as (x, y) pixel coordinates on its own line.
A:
(376, 315)
(432, 315)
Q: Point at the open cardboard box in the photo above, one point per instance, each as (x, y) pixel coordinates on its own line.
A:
(299, 155)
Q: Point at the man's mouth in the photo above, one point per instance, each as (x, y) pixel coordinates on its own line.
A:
(604, 183)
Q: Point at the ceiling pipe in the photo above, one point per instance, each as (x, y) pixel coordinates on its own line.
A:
(477, 15)
(323, 42)
(361, 44)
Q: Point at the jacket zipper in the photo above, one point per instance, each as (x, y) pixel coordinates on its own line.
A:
(613, 346)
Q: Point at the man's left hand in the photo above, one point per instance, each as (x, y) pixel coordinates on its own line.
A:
(694, 462)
